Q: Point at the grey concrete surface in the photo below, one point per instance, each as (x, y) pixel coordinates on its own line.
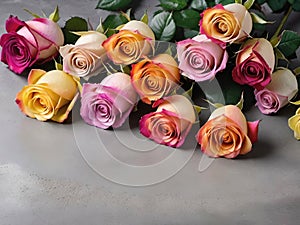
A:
(45, 180)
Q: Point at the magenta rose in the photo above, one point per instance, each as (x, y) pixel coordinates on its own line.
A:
(200, 58)
(26, 43)
(109, 103)
(278, 93)
(171, 122)
(254, 63)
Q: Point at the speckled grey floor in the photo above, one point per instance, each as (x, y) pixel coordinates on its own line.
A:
(45, 180)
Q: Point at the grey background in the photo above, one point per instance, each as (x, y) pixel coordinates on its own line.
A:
(45, 180)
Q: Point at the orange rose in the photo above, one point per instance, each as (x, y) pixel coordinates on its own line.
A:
(153, 79)
(134, 40)
(227, 133)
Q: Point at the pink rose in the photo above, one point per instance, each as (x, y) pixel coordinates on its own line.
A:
(201, 59)
(278, 93)
(109, 103)
(26, 43)
(254, 63)
(227, 133)
(171, 122)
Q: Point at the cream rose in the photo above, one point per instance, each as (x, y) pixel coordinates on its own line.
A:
(134, 40)
(85, 57)
(231, 23)
(48, 95)
(155, 78)
(227, 133)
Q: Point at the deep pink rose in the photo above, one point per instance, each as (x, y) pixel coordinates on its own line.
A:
(278, 93)
(109, 103)
(171, 122)
(254, 63)
(26, 43)
(200, 58)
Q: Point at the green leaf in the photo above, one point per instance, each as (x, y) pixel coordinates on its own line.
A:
(240, 104)
(111, 22)
(55, 15)
(224, 2)
(295, 5)
(277, 5)
(163, 26)
(199, 5)
(297, 71)
(171, 5)
(261, 1)
(74, 24)
(280, 55)
(257, 19)
(239, 1)
(187, 18)
(113, 5)
(249, 3)
(190, 33)
(289, 43)
(100, 27)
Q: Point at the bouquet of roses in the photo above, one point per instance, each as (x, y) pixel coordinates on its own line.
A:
(126, 64)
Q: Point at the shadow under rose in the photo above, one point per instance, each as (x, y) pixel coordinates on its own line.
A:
(260, 149)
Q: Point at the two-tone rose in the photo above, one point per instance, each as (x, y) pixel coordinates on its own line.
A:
(294, 124)
(134, 40)
(26, 43)
(227, 133)
(109, 103)
(171, 122)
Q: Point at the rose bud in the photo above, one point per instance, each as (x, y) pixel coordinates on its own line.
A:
(48, 95)
(85, 57)
(109, 103)
(171, 122)
(294, 124)
(278, 93)
(26, 43)
(227, 133)
(200, 59)
(231, 23)
(134, 40)
(155, 78)
(254, 63)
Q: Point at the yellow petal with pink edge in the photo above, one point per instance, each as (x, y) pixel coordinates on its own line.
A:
(63, 112)
(35, 75)
(61, 83)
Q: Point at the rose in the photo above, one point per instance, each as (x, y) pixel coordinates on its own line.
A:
(155, 78)
(294, 124)
(254, 63)
(134, 40)
(231, 23)
(200, 58)
(278, 93)
(85, 57)
(48, 95)
(29, 42)
(109, 103)
(227, 133)
(171, 122)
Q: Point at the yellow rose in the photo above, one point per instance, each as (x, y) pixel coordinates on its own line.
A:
(134, 40)
(48, 95)
(294, 124)
(226, 24)
(155, 78)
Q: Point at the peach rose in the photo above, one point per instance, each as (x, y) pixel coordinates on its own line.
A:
(231, 23)
(171, 122)
(48, 95)
(134, 40)
(294, 124)
(84, 58)
(227, 133)
(155, 78)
